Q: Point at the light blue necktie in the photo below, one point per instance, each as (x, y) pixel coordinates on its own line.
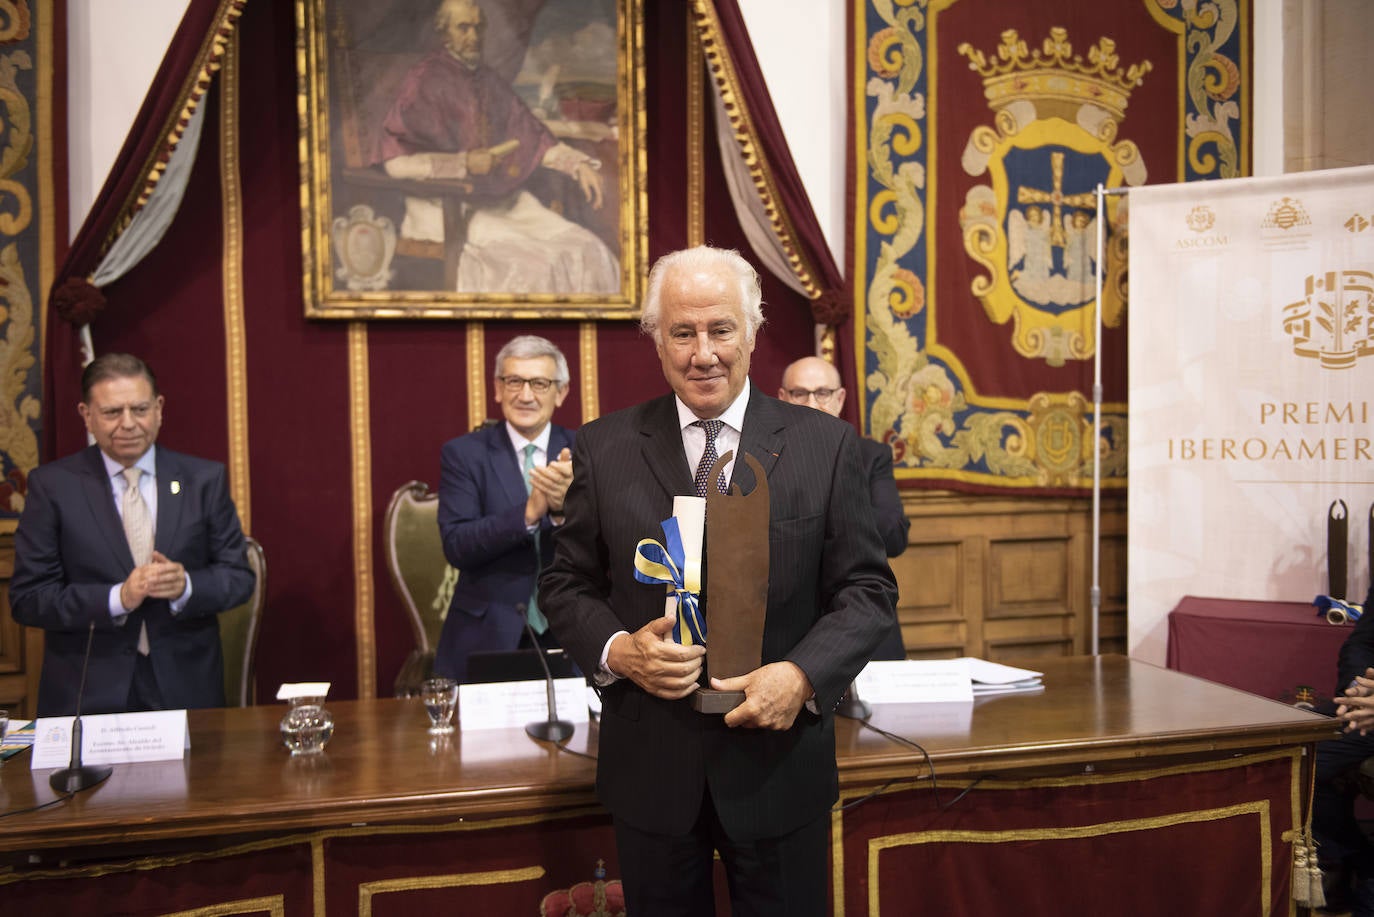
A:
(532, 612)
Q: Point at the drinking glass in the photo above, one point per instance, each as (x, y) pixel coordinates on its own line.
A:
(307, 727)
(440, 696)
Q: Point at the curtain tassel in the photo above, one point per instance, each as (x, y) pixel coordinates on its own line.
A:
(1302, 879)
(1316, 894)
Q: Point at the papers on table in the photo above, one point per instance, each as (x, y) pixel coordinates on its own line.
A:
(913, 681)
(512, 704)
(995, 678)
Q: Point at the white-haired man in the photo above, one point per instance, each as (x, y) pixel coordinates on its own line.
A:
(756, 784)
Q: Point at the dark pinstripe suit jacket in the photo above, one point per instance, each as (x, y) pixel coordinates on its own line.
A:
(830, 598)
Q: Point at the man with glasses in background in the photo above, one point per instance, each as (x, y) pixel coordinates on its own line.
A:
(814, 382)
(501, 490)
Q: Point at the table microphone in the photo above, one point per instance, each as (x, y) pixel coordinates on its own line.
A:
(76, 778)
(553, 729)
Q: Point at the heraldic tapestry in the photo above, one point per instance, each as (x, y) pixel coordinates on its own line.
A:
(983, 129)
(28, 204)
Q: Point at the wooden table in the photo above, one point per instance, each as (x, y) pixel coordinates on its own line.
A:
(389, 821)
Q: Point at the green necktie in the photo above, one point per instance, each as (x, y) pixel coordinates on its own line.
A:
(532, 612)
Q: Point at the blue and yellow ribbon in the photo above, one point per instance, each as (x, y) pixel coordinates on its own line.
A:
(657, 563)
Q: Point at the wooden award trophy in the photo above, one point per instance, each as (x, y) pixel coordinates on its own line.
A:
(736, 584)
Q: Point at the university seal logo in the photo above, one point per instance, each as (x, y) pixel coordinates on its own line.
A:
(1201, 218)
(1034, 228)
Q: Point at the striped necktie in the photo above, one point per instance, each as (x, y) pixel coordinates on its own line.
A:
(532, 612)
(138, 529)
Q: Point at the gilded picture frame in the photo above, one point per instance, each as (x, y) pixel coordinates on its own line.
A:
(472, 158)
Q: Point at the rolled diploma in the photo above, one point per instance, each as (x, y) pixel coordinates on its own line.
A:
(691, 525)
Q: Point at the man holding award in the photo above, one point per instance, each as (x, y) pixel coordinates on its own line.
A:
(755, 782)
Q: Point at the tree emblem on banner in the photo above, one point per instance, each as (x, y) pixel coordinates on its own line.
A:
(1334, 321)
(1034, 228)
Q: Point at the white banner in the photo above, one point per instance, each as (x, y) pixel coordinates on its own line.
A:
(1251, 390)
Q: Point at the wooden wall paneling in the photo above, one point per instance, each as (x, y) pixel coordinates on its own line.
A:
(1008, 578)
(1112, 622)
(931, 598)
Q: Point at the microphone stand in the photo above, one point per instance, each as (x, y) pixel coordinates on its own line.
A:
(553, 729)
(74, 779)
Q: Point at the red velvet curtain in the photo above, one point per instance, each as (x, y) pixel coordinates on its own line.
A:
(833, 306)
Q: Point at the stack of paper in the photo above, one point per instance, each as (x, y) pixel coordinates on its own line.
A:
(941, 680)
(995, 678)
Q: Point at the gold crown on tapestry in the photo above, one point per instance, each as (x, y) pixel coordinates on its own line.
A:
(1055, 73)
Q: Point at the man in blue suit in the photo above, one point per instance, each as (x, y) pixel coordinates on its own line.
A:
(501, 492)
(146, 593)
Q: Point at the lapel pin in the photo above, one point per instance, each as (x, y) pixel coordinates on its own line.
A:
(176, 487)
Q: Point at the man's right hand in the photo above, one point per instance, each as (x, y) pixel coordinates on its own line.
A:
(1356, 707)
(159, 578)
(651, 659)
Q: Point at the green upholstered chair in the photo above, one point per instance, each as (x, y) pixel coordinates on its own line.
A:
(420, 574)
(238, 634)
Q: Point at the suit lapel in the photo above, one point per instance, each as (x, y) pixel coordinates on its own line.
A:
(558, 441)
(170, 499)
(506, 465)
(100, 495)
(762, 438)
(662, 447)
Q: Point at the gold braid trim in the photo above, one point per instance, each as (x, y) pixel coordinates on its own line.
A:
(722, 71)
(315, 838)
(193, 92)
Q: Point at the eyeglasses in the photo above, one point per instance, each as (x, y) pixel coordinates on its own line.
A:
(514, 384)
(822, 395)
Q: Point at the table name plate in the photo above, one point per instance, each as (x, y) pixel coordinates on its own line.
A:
(112, 738)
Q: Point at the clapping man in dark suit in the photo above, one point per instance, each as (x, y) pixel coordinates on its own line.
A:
(135, 544)
(757, 783)
(501, 492)
(814, 382)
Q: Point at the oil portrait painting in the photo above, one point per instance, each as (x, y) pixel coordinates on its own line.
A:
(471, 158)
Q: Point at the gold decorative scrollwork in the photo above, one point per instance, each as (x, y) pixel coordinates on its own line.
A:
(16, 124)
(15, 20)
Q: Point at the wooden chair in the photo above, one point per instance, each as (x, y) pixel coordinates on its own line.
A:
(238, 634)
(421, 576)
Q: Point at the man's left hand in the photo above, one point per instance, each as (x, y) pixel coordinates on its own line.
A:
(167, 579)
(773, 696)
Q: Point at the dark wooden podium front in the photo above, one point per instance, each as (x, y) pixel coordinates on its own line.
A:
(1121, 786)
